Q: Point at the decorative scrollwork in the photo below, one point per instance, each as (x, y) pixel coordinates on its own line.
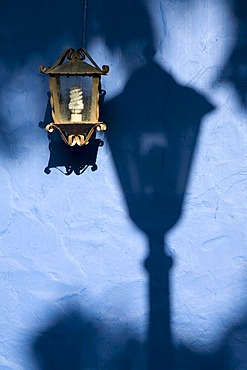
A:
(81, 53)
(49, 128)
(77, 138)
(101, 127)
(42, 69)
(72, 55)
(105, 69)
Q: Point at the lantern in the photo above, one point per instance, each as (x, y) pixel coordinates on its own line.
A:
(75, 93)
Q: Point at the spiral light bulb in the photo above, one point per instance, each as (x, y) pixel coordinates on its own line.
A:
(76, 104)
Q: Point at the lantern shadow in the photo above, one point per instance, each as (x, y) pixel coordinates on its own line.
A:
(153, 129)
(74, 159)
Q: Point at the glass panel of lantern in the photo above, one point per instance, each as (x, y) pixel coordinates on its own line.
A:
(73, 102)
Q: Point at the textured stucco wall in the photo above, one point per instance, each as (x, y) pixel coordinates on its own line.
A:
(68, 240)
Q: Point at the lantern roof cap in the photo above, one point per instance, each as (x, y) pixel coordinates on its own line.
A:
(75, 64)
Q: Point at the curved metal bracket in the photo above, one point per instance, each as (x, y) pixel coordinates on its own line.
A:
(79, 136)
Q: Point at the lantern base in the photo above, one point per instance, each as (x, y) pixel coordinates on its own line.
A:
(76, 133)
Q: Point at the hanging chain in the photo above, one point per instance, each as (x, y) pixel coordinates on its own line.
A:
(84, 24)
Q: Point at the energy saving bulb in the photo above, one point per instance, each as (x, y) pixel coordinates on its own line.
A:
(76, 104)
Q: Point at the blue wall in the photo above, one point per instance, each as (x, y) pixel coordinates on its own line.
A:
(68, 247)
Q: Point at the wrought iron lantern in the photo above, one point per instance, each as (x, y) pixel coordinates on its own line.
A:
(75, 88)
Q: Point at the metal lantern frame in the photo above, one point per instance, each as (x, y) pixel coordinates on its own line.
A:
(81, 131)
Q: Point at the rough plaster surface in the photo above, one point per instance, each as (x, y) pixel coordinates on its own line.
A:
(69, 239)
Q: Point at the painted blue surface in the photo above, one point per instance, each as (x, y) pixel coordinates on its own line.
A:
(67, 241)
